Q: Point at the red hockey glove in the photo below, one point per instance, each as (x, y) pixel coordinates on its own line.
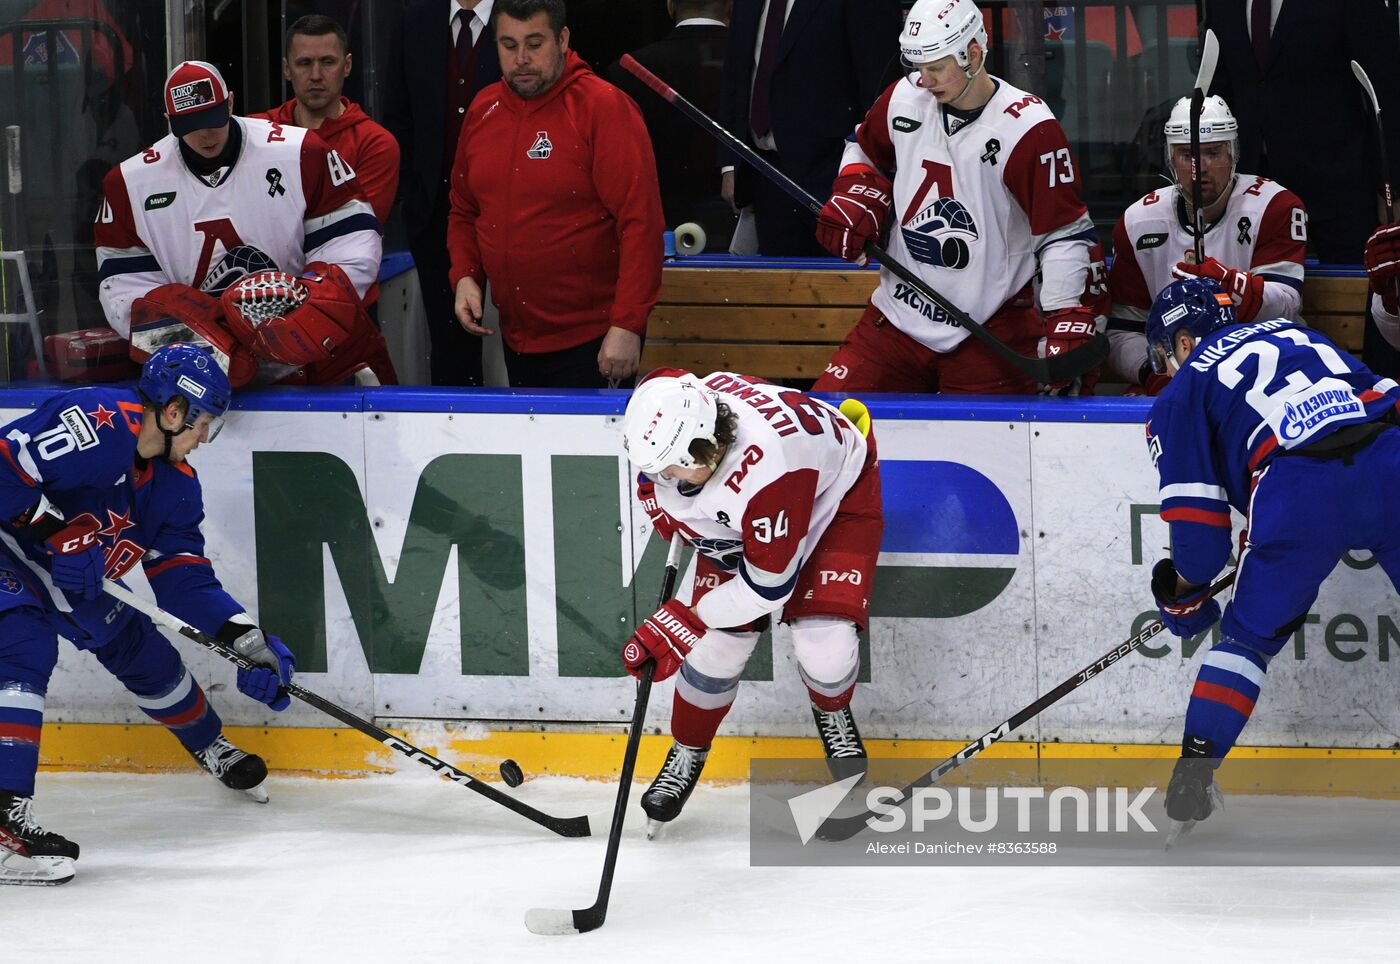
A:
(1065, 330)
(665, 526)
(1152, 384)
(667, 636)
(78, 561)
(1382, 259)
(1246, 289)
(854, 214)
(1188, 615)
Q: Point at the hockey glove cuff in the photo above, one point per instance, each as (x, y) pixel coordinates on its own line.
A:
(1184, 615)
(661, 521)
(667, 636)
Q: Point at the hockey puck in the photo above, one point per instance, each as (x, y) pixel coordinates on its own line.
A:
(511, 773)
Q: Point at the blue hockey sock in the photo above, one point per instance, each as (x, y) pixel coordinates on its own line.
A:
(21, 719)
(1227, 686)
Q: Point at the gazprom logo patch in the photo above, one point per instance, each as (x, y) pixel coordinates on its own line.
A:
(951, 541)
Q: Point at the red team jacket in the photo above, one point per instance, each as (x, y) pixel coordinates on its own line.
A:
(555, 199)
(368, 148)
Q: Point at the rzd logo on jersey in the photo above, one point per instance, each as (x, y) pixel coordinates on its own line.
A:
(542, 148)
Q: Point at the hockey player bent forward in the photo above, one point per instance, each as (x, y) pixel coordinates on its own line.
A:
(91, 483)
(780, 494)
(242, 235)
(1274, 420)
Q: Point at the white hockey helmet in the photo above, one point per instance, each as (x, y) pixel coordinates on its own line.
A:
(664, 415)
(936, 29)
(1217, 125)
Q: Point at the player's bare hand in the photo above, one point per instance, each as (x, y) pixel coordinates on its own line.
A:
(468, 307)
(620, 354)
(726, 189)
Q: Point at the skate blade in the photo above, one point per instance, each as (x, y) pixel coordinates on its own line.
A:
(22, 871)
(258, 793)
(654, 828)
(1178, 831)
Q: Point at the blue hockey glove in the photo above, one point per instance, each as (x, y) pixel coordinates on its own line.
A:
(1188, 615)
(267, 682)
(78, 561)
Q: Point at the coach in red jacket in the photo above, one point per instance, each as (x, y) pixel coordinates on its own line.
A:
(555, 199)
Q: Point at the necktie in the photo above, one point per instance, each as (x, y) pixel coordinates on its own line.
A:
(760, 117)
(464, 37)
(1259, 31)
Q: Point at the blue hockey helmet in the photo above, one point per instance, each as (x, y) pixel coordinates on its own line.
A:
(185, 371)
(1197, 306)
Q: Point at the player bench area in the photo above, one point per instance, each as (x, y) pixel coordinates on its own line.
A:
(785, 321)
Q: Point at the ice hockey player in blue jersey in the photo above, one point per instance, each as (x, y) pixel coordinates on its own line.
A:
(1272, 419)
(93, 482)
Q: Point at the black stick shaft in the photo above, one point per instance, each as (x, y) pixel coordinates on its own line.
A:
(564, 826)
(843, 828)
(1047, 371)
(1198, 216)
(591, 918)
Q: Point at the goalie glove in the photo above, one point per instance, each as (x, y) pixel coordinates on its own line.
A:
(178, 313)
(296, 321)
(1245, 289)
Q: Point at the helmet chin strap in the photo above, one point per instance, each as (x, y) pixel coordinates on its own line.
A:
(169, 436)
(971, 76)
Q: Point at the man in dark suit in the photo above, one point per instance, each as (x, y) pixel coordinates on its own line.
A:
(691, 59)
(1304, 121)
(798, 76)
(443, 52)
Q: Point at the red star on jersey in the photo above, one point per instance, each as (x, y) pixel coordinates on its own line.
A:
(117, 524)
(102, 416)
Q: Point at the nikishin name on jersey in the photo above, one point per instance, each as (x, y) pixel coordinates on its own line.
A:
(932, 312)
(1228, 343)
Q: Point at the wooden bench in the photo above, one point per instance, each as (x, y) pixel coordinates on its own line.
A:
(785, 323)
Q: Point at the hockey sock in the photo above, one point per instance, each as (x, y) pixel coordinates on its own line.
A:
(1227, 686)
(829, 703)
(699, 706)
(21, 719)
(183, 709)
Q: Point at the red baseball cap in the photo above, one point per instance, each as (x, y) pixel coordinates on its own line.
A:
(196, 98)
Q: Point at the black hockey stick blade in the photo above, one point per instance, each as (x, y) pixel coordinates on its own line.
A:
(1049, 371)
(844, 828)
(557, 922)
(582, 826)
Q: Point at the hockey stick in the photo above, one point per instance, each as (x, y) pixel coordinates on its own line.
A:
(1210, 52)
(843, 828)
(547, 920)
(563, 826)
(1046, 371)
(1365, 81)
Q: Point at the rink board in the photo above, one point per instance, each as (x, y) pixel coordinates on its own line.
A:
(457, 556)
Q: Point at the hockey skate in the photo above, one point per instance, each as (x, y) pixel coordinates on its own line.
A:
(845, 752)
(672, 787)
(236, 769)
(1192, 795)
(30, 855)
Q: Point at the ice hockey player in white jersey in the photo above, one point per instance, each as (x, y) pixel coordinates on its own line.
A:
(248, 237)
(1256, 233)
(780, 494)
(987, 211)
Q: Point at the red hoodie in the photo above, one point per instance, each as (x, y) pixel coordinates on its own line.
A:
(555, 200)
(369, 149)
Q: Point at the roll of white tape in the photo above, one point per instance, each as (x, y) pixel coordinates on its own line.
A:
(690, 238)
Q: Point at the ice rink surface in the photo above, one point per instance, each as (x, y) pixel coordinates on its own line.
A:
(409, 868)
